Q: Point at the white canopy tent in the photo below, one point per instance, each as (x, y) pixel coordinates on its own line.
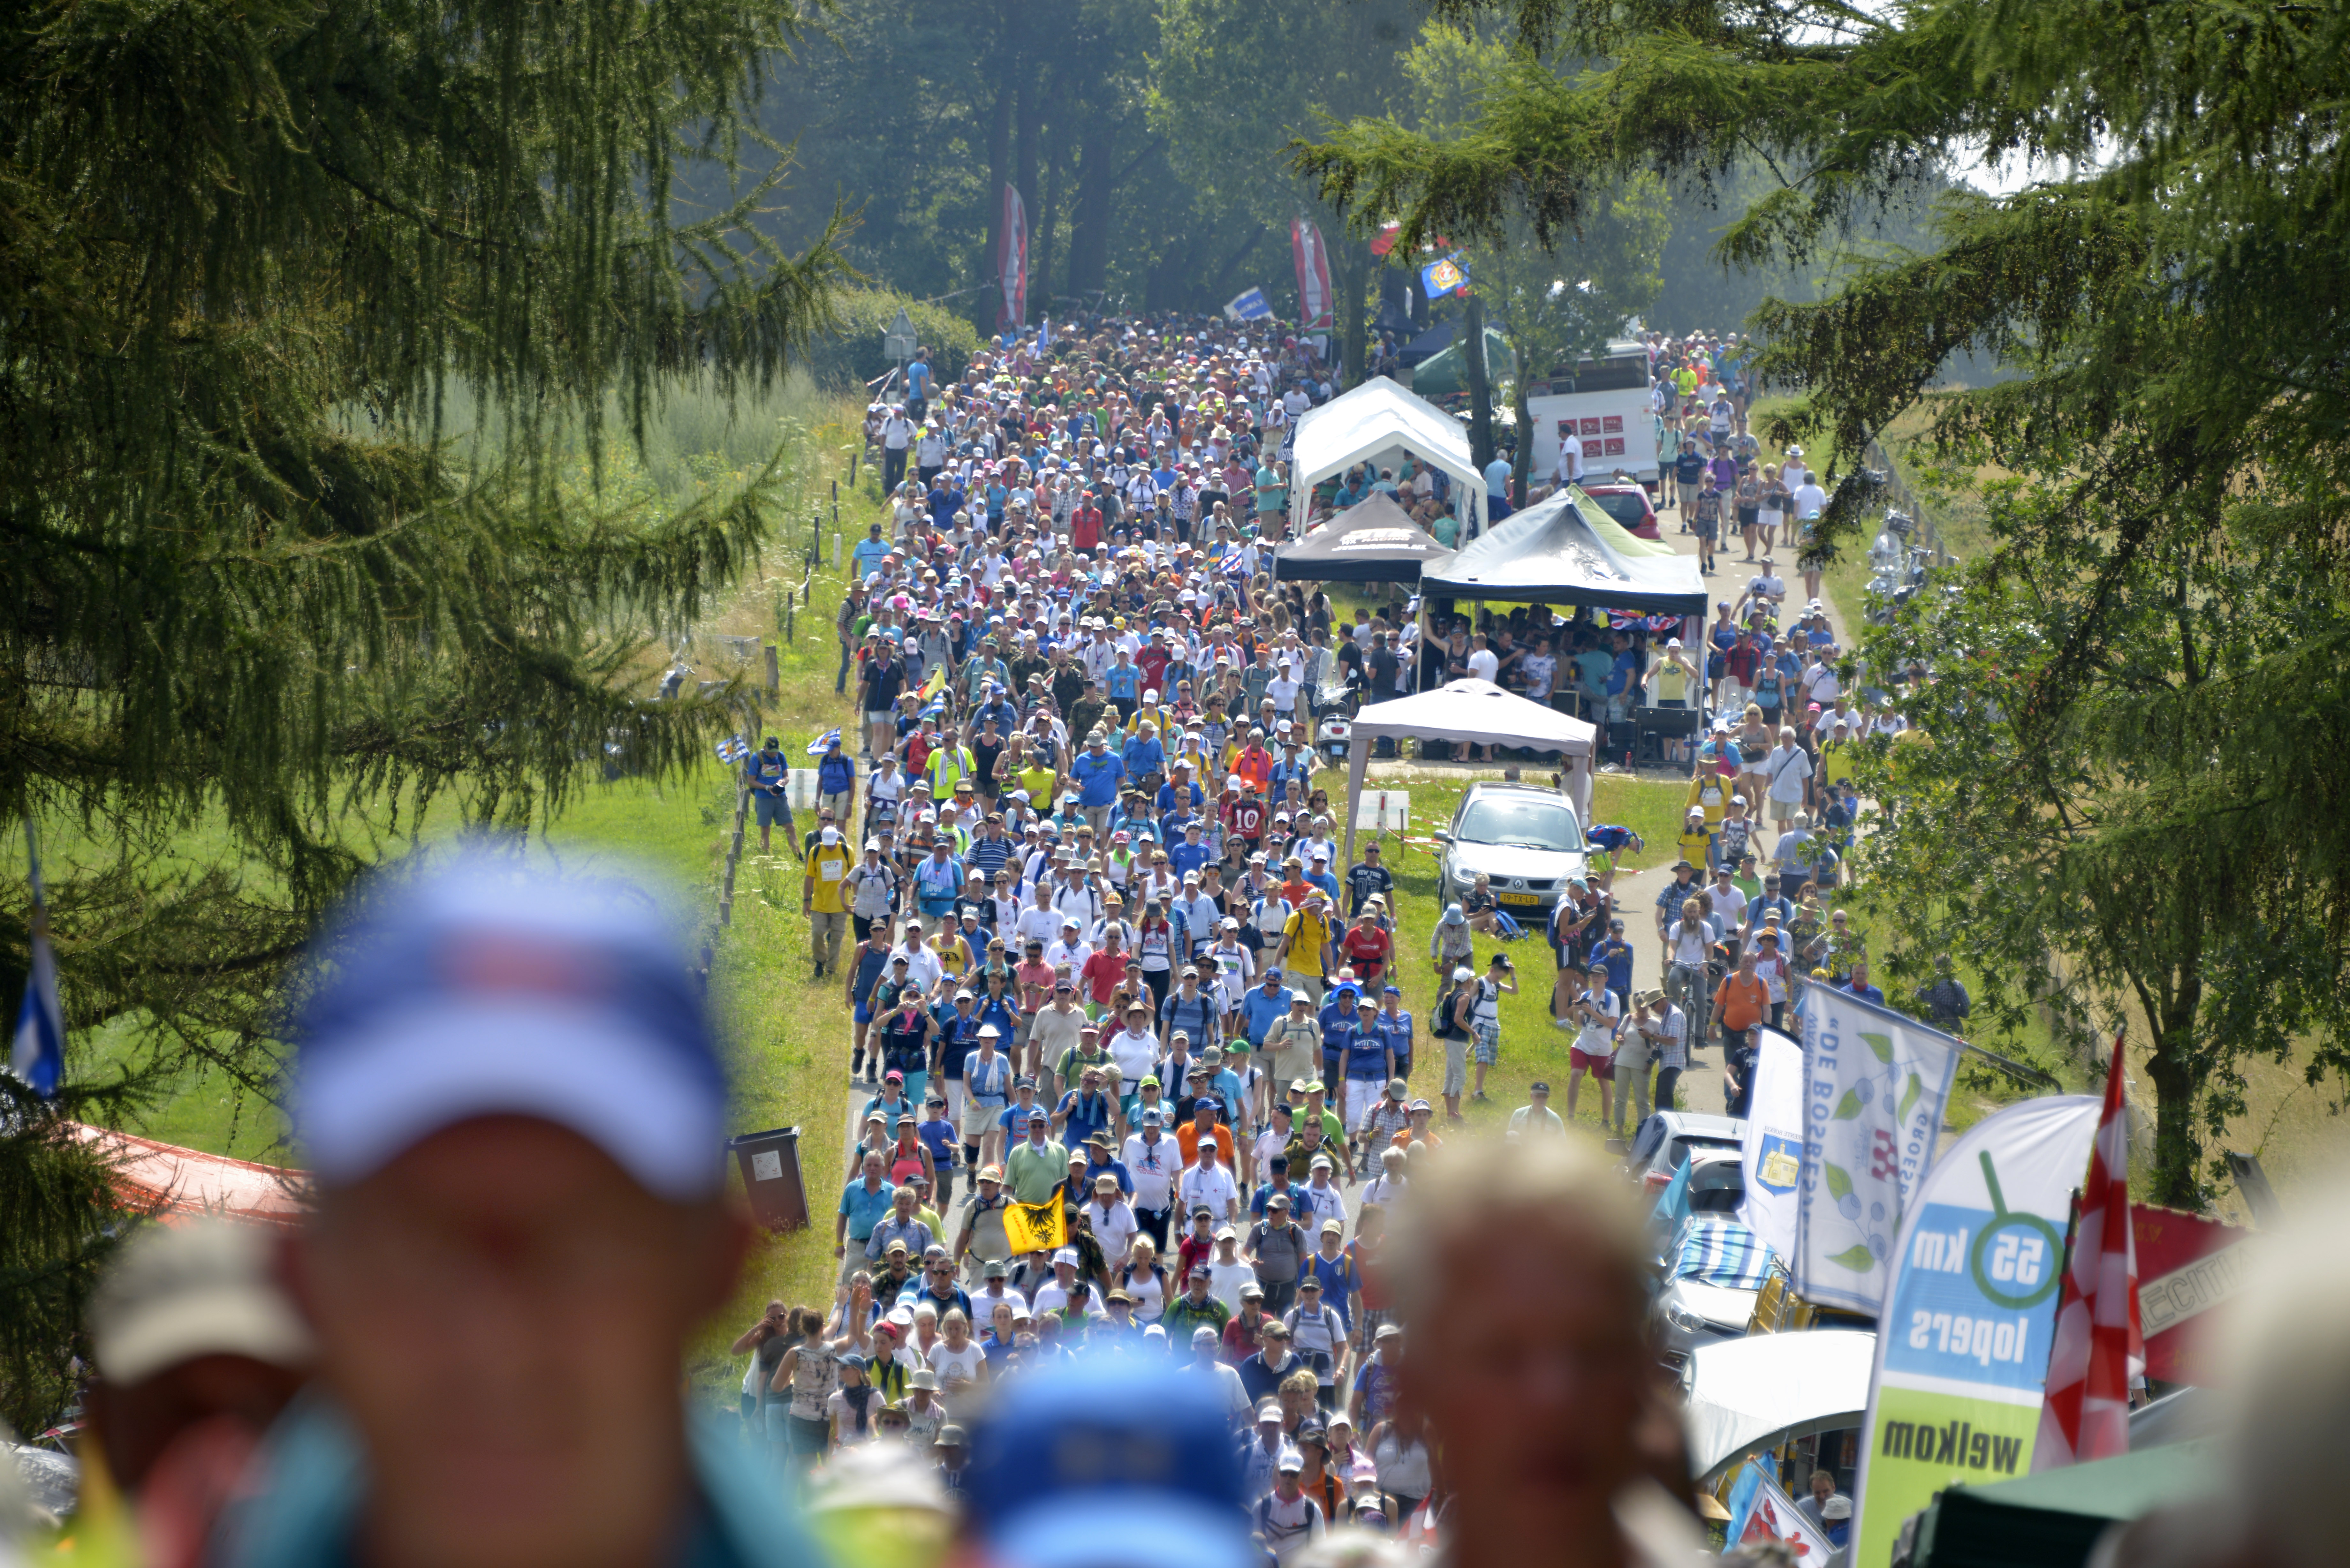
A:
(1372, 418)
(1745, 1395)
(1476, 714)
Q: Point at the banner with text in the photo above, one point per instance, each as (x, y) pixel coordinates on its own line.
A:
(1962, 1343)
(1773, 1156)
(1875, 1084)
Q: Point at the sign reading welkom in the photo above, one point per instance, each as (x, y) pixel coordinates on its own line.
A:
(1962, 1343)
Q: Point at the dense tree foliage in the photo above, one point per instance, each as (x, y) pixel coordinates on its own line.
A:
(2168, 297)
(245, 254)
(1555, 305)
(917, 117)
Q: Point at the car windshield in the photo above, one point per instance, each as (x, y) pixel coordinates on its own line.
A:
(1625, 509)
(1521, 822)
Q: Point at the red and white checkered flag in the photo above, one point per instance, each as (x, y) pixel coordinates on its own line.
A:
(2100, 1346)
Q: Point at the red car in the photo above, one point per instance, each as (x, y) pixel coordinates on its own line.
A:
(1628, 504)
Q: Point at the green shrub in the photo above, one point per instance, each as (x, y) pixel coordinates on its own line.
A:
(853, 354)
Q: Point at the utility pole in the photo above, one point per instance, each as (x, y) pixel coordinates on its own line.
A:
(1481, 385)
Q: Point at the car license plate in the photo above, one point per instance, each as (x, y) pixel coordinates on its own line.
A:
(1519, 899)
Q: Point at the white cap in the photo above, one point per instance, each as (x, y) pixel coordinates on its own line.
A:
(205, 1287)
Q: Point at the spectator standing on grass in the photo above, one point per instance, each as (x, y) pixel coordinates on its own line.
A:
(1945, 1000)
(768, 776)
(824, 898)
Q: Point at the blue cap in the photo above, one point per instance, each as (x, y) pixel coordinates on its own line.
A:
(1109, 1449)
(485, 987)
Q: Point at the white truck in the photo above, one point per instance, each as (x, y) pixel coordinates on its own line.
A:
(1604, 405)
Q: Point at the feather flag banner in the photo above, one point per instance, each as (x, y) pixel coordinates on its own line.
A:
(38, 1053)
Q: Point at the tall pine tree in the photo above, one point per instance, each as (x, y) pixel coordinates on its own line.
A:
(246, 251)
(2138, 709)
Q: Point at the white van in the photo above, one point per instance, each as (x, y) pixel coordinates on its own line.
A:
(1601, 403)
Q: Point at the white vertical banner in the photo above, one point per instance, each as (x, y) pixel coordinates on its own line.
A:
(1773, 1156)
(1876, 1084)
(1962, 1344)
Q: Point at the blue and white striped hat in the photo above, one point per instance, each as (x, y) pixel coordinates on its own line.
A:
(482, 988)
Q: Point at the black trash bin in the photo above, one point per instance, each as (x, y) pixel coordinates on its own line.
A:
(770, 1164)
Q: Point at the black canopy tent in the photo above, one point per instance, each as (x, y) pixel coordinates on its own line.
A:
(1374, 541)
(1550, 554)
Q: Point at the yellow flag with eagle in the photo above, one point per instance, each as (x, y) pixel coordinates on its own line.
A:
(1035, 1227)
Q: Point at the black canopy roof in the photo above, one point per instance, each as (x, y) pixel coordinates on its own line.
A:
(1374, 541)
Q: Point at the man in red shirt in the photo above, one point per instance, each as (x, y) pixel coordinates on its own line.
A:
(1743, 662)
(1106, 967)
(1367, 949)
(1244, 817)
(1152, 662)
(1086, 524)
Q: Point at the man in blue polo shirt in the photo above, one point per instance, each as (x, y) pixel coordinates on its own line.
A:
(1097, 774)
(1858, 983)
(1263, 1006)
(864, 1203)
(1186, 859)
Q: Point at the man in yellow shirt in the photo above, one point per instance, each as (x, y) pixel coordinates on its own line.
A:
(1304, 954)
(822, 899)
(1835, 756)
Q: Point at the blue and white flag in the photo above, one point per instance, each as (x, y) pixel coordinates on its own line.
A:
(823, 743)
(1443, 276)
(733, 749)
(39, 1054)
(1248, 305)
(1772, 1154)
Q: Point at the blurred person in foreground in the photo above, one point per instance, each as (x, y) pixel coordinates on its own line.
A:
(2282, 1380)
(197, 1353)
(1525, 1351)
(512, 1102)
(1105, 1462)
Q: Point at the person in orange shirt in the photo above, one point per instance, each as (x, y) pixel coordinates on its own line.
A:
(1203, 1124)
(1740, 1004)
(1254, 763)
(1294, 885)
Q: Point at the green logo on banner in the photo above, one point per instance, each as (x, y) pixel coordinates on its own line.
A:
(2017, 1258)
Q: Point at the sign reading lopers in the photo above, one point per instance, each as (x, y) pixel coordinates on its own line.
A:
(1962, 1343)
